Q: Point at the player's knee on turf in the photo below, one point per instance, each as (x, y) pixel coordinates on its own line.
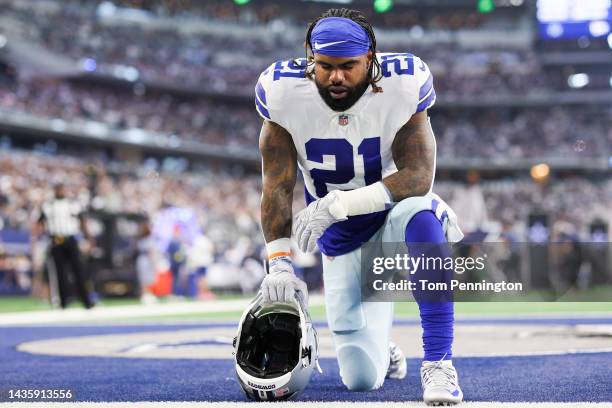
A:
(361, 366)
(358, 370)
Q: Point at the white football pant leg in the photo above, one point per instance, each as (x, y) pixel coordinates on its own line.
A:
(360, 330)
(395, 226)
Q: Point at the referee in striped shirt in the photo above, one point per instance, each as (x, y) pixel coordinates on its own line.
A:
(62, 219)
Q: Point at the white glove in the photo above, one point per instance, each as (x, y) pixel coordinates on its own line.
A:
(310, 223)
(451, 224)
(280, 284)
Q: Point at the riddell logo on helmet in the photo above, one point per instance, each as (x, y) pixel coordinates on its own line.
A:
(262, 387)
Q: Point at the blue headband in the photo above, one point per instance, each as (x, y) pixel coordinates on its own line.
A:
(339, 37)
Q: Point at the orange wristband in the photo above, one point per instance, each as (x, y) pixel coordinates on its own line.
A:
(279, 247)
(278, 254)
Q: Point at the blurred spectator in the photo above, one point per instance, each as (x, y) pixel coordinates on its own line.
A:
(199, 258)
(176, 253)
(469, 204)
(14, 273)
(146, 264)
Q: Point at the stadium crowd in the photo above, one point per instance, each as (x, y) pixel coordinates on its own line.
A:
(268, 11)
(527, 132)
(489, 133)
(227, 204)
(220, 63)
(203, 120)
(206, 62)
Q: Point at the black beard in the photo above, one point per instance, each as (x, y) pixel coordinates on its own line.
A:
(352, 96)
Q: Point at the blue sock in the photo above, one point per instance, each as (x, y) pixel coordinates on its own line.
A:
(423, 232)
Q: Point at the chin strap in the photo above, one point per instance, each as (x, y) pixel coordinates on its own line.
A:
(306, 325)
(316, 336)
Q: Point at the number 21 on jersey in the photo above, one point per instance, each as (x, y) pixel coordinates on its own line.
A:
(342, 150)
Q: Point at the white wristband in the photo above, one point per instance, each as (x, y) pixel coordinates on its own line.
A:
(279, 247)
(364, 200)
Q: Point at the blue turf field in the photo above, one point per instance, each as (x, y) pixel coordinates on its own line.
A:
(571, 378)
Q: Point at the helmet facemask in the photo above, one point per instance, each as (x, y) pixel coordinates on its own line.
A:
(276, 350)
(269, 345)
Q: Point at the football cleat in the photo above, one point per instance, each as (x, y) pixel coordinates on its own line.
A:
(397, 363)
(440, 383)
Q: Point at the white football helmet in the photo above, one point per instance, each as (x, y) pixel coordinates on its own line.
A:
(276, 350)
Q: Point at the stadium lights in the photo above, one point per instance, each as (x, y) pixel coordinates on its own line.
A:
(578, 80)
(58, 125)
(599, 28)
(241, 2)
(540, 172)
(126, 73)
(382, 6)
(106, 9)
(89, 64)
(610, 40)
(485, 6)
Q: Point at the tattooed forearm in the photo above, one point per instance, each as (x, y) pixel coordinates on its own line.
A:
(279, 165)
(414, 155)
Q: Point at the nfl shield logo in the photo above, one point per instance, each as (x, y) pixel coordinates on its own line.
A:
(343, 120)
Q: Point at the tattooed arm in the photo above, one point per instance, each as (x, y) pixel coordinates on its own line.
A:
(414, 151)
(279, 165)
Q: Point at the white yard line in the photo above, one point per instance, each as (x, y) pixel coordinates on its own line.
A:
(130, 311)
(338, 404)
(534, 315)
(109, 313)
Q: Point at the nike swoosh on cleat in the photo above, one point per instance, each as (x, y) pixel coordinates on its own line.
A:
(325, 45)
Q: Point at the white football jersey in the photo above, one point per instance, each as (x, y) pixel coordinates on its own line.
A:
(350, 149)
